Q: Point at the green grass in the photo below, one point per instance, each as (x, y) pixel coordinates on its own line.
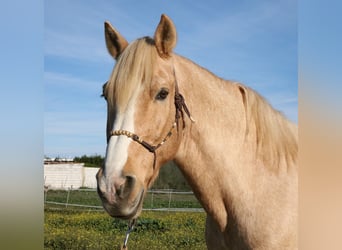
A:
(156, 200)
(82, 196)
(85, 228)
(177, 201)
(74, 229)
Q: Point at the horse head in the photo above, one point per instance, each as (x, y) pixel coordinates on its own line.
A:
(144, 109)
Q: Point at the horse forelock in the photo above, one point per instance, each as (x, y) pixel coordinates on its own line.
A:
(134, 69)
(276, 136)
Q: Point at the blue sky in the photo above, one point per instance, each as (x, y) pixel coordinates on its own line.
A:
(254, 42)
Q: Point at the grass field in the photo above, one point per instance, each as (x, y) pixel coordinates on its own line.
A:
(68, 227)
(72, 229)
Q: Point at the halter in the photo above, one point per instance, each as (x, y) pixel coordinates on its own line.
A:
(180, 106)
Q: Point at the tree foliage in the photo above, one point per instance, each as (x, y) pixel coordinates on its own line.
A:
(90, 161)
(169, 177)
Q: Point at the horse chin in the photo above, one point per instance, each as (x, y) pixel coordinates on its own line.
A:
(126, 210)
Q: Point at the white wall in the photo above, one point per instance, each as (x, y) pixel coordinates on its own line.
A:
(89, 177)
(69, 175)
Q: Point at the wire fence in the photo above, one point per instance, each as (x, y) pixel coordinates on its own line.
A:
(167, 200)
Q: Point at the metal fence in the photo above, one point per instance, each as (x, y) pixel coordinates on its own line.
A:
(156, 200)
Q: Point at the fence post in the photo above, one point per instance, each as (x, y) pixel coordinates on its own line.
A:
(46, 189)
(67, 201)
(152, 199)
(170, 193)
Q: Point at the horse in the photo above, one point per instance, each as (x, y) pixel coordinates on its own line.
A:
(238, 153)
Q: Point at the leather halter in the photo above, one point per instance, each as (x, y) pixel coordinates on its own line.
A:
(180, 106)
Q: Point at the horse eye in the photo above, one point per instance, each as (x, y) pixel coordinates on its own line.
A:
(162, 94)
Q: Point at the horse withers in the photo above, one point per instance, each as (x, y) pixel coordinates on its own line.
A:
(238, 154)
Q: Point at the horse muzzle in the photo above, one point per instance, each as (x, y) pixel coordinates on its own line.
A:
(122, 198)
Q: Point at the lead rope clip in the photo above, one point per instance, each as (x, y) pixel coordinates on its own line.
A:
(131, 225)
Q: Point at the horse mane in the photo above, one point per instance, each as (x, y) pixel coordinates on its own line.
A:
(276, 137)
(133, 69)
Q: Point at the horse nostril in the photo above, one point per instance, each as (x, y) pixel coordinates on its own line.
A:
(130, 181)
(120, 190)
(125, 188)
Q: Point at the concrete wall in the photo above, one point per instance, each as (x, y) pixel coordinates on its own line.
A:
(69, 175)
(89, 177)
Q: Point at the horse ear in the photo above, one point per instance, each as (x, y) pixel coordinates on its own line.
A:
(165, 36)
(115, 42)
(243, 92)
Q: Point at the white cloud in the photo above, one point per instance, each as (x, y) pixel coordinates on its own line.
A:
(75, 46)
(67, 80)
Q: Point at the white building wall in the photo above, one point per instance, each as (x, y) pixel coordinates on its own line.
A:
(89, 177)
(69, 175)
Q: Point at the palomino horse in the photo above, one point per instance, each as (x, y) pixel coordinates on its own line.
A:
(238, 154)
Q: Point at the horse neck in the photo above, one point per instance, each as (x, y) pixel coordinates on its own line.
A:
(212, 144)
(218, 155)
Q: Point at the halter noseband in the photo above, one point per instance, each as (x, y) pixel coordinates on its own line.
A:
(180, 106)
(143, 143)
